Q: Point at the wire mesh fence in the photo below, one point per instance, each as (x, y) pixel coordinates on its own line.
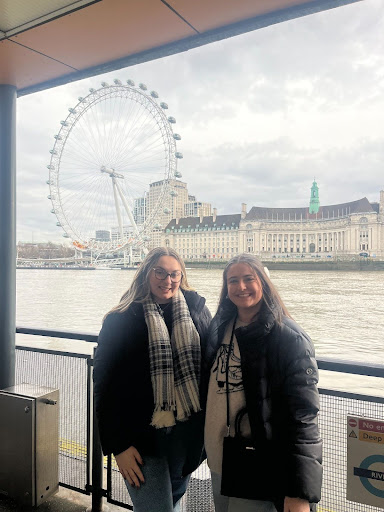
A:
(70, 374)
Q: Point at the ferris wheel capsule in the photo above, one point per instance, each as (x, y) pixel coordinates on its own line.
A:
(57, 137)
(167, 210)
(72, 110)
(104, 84)
(81, 99)
(64, 123)
(173, 193)
(65, 235)
(178, 174)
(117, 81)
(131, 83)
(143, 86)
(176, 136)
(157, 226)
(163, 105)
(53, 151)
(58, 224)
(48, 182)
(51, 168)
(178, 155)
(171, 120)
(92, 90)
(154, 94)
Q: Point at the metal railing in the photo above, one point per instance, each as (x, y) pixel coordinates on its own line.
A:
(81, 461)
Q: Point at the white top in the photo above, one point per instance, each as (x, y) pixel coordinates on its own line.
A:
(216, 417)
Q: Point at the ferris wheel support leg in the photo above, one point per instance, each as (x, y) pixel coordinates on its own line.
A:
(7, 234)
(127, 209)
(117, 206)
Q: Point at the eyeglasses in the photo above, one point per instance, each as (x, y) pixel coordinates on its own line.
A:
(161, 274)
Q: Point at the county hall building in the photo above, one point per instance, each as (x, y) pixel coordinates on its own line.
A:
(335, 230)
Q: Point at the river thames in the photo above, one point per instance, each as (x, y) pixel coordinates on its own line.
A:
(343, 312)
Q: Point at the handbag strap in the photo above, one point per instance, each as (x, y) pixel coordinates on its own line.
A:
(227, 372)
(239, 416)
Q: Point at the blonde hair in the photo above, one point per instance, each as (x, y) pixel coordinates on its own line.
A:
(139, 290)
(271, 298)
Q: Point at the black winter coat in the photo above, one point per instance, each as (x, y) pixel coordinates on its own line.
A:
(280, 376)
(122, 382)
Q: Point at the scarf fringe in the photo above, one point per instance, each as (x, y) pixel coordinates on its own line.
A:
(161, 419)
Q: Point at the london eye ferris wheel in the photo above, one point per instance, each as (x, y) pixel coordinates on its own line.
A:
(114, 142)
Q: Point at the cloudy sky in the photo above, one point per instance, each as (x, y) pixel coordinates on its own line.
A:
(260, 115)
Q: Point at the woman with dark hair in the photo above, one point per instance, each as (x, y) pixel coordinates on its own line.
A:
(262, 385)
(147, 382)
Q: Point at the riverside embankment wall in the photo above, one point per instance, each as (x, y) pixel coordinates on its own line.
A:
(347, 266)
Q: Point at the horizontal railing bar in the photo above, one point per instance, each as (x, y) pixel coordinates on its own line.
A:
(63, 353)
(352, 396)
(53, 333)
(332, 365)
(355, 367)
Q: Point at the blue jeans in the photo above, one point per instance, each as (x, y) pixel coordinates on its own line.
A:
(164, 484)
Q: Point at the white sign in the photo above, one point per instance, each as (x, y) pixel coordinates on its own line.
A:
(365, 461)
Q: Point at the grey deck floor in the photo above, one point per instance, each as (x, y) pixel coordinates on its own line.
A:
(63, 501)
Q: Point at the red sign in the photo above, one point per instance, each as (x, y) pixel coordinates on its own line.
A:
(352, 422)
(371, 426)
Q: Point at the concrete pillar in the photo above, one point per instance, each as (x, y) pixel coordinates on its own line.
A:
(7, 234)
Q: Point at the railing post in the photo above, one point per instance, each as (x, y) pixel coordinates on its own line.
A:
(97, 461)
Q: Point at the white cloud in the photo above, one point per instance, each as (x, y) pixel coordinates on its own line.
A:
(260, 115)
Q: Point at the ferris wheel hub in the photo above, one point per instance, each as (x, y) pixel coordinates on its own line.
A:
(111, 172)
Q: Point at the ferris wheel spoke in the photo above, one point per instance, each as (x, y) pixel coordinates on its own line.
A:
(155, 145)
(137, 130)
(142, 135)
(153, 150)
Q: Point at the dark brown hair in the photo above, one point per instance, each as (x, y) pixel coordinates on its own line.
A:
(271, 298)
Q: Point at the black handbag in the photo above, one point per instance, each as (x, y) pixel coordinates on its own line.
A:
(246, 469)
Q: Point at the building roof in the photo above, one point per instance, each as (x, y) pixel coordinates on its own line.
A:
(295, 214)
(221, 222)
(376, 207)
(44, 43)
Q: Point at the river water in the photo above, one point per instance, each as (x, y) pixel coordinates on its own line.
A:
(343, 312)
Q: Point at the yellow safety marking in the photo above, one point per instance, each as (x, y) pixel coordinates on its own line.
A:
(74, 449)
(371, 437)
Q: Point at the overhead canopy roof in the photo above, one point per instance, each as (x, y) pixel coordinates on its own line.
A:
(44, 43)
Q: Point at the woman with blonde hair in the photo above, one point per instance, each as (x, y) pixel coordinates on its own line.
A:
(261, 433)
(147, 382)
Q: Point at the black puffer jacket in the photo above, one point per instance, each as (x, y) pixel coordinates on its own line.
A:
(122, 382)
(280, 376)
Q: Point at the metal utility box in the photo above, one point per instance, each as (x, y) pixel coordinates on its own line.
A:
(29, 443)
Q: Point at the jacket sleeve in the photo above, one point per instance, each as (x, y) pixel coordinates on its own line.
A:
(105, 374)
(299, 433)
(204, 321)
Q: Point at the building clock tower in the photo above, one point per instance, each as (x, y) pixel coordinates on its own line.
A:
(314, 203)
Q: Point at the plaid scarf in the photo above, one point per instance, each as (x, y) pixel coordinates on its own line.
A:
(174, 362)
